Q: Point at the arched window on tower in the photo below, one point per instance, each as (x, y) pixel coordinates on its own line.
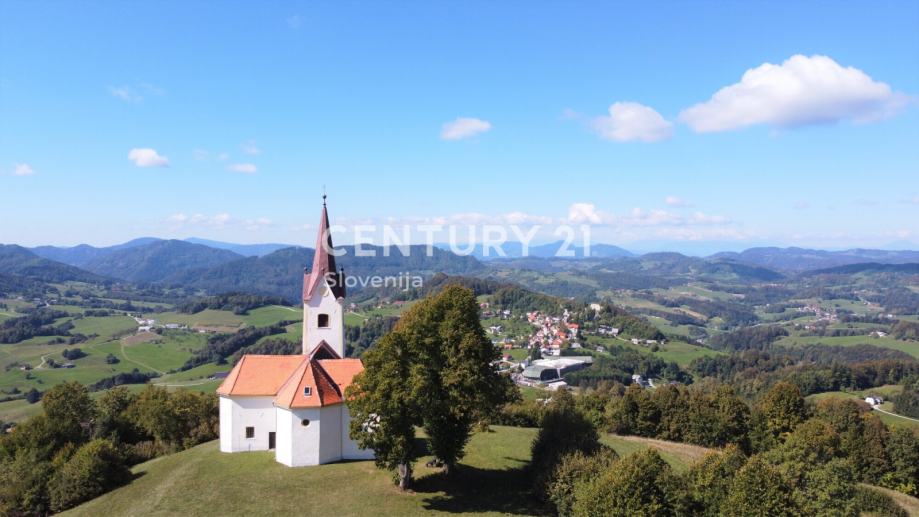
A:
(323, 321)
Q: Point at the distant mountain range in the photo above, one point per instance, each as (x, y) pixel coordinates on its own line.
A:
(246, 250)
(218, 267)
(801, 259)
(19, 261)
(556, 249)
(83, 254)
(158, 260)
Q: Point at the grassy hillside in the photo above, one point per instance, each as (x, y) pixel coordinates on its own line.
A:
(203, 481)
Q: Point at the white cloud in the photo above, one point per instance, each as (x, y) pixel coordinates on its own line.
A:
(147, 157)
(464, 128)
(125, 93)
(580, 213)
(212, 221)
(250, 148)
(801, 91)
(23, 169)
(801, 205)
(244, 168)
(201, 155)
(676, 201)
(631, 121)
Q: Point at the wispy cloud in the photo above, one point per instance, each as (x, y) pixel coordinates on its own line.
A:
(23, 169)
(463, 127)
(147, 157)
(136, 93)
(217, 221)
(249, 147)
(676, 201)
(631, 121)
(799, 92)
(294, 22)
(243, 168)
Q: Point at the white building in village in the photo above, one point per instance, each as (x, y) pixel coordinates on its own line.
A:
(295, 404)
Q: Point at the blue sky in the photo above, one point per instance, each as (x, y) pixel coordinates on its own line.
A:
(534, 112)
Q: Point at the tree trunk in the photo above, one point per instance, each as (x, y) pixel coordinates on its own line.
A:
(405, 476)
(448, 468)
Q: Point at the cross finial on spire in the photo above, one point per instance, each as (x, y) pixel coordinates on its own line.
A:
(323, 195)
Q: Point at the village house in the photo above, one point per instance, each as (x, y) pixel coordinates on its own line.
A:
(295, 404)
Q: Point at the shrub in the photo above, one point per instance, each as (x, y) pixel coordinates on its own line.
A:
(94, 469)
(575, 468)
(564, 430)
(642, 484)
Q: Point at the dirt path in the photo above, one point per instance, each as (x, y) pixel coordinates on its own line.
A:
(183, 385)
(894, 414)
(288, 308)
(683, 450)
(128, 359)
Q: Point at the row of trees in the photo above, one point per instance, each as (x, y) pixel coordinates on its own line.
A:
(80, 448)
(812, 465)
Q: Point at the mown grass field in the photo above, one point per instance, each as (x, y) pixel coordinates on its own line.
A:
(115, 335)
(887, 415)
(679, 352)
(203, 481)
(909, 347)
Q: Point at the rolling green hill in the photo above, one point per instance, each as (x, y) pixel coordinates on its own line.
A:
(203, 481)
(18, 261)
(490, 480)
(158, 260)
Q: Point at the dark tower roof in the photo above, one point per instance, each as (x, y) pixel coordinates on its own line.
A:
(324, 262)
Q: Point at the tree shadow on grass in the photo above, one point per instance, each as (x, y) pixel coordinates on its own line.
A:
(473, 489)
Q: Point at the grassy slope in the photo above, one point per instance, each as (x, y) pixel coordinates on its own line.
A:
(886, 391)
(204, 481)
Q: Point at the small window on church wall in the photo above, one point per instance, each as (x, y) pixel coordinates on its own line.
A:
(307, 391)
(323, 321)
(250, 432)
(305, 422)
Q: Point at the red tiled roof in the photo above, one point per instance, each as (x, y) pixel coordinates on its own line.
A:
(323, 391)
(342, 371)
(286, 376)
(259, 375)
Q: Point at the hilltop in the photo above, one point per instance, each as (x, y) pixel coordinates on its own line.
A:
(491, 480)
(202, 481)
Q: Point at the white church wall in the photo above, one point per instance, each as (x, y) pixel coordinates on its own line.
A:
(349, 448)
(303, 440)
(330, 434)
(226, 425)
(238, 413)
(284, 453)
(323, 302)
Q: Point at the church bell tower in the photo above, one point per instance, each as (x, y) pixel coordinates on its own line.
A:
(324, 295)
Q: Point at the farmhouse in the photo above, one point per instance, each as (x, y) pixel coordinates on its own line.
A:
(295, 404)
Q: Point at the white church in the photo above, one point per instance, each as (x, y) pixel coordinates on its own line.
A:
(295, 404)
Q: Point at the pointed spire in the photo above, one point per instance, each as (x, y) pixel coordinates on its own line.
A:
(324, 261)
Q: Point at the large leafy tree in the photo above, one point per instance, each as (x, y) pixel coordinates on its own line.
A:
(456, 382)
(435, 369)
(759, 489)
(382, 406)
(784, 407)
